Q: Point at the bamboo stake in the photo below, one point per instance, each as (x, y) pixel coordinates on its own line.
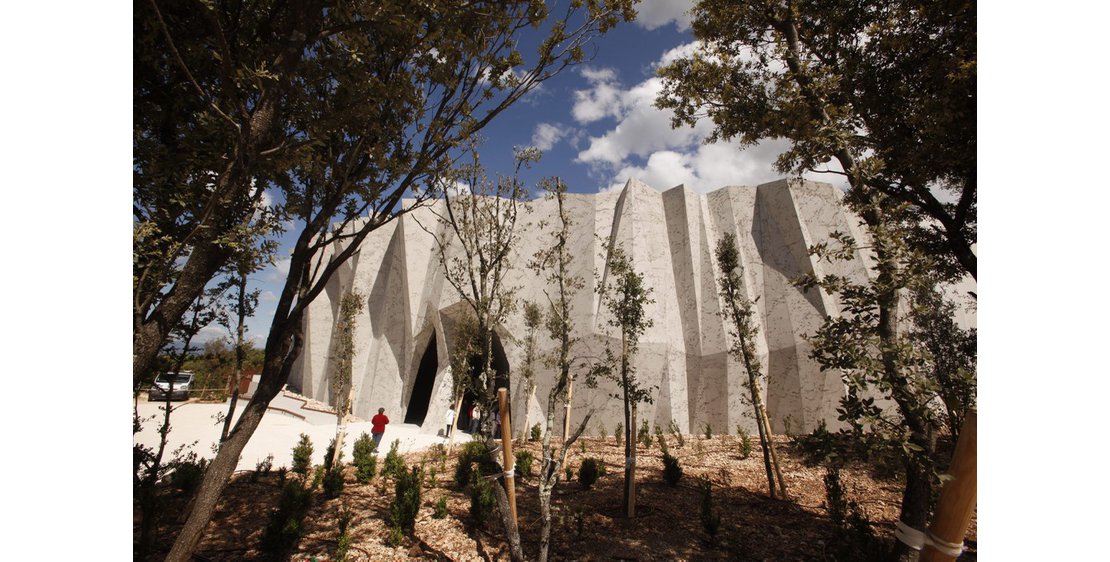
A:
(507, 449)
(957, 498)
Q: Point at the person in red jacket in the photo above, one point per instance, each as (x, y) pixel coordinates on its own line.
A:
(378, 428)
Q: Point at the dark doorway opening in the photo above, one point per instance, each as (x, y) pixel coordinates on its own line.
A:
(422, 386)
(500, 366)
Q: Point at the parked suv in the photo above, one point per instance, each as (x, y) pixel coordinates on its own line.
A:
(182, 384)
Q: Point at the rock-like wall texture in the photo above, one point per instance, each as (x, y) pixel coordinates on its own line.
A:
(670, 236)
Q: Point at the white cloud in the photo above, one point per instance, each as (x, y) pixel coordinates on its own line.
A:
(547, 135)
(643, 145)
(282, 265)
(268, 296)
(601, 100)
(651, 14)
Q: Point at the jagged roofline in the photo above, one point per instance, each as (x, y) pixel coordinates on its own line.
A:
(670, 235)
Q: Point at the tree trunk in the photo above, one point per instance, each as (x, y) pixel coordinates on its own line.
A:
(342, 417)
(455, 422)
(238, 355)
(761, 410)
(764, 437)
(545, 518)
(284, 348)
(630, 474)
(566, 416)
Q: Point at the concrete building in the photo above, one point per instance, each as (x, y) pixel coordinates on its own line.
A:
(406, 331)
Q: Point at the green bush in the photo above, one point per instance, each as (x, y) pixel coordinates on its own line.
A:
(302, 456)
(569, 473)
(708, 429)
(282, 473)
(672, 472)
(677, 434)
(438, 453)
(328, 454)
(536, 432)
(710, 519)
(285, 525)
(524, 463)
(406, 498)
(619, 433)
(365, 461)
(601, 432)
(188, 472)
(393, 464)
(644, 435)
(587, 472)
(262, 467)
(344, 541)
(745, 442)
(473, 452)
(855, 539)
(440, 510)
(396, 536)
(662, 442)
(481, 500)
(333, 483)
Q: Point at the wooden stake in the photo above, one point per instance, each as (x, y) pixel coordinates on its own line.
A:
(957, 498)
(507, 448)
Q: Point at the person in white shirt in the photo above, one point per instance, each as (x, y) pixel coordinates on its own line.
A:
(450, 419)
(475, 419)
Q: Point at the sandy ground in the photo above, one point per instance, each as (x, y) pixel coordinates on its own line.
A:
(195, 426)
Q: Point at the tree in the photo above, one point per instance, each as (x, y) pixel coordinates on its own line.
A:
(739, 311)
(342, 385)
(533, 320)
(362, 104)
(625, 296)
(480, 234)
(554, 262)
(869, 345)
(887, 89)
(249, 260)
(149, 466)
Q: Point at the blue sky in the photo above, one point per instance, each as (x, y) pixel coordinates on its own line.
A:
(597, 127)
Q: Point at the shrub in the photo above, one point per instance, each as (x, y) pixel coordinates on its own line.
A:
(262, 467)
(365, 461)
(818, 448)
(396, 536)
(481, 500)
(587, 472)
(343, 543)
(188, 472)
(282, 473)
(699, 451)
(333, 483)
(708, 429)
(328, 454)
(672, 472)
(601, 431)
(677, 434)
(710, 520)
(569, 473)
(662, 442)
(524, 463)
(440, 510)
(582, 446)
(745, 442)
(438, 453)
(302, 456)
(644, 435)
(393, 463)
(317, 477)
(535, 432)
(601, 469)
(855, 539)
(619, 433)
(286, 523)
(473, 452)
(406, 498)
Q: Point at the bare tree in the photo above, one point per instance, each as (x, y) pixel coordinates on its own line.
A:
(625, 296)
(554, 263)
(739, 311)
(480, 234)
(342, 385)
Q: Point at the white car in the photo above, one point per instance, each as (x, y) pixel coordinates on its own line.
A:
(182, 384)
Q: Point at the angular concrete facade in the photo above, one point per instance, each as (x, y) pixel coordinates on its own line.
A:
(406, 332)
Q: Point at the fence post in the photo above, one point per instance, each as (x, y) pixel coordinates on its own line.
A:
(957, 500)
(507, 449)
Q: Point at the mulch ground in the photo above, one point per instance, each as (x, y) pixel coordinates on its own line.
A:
(588, 523)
